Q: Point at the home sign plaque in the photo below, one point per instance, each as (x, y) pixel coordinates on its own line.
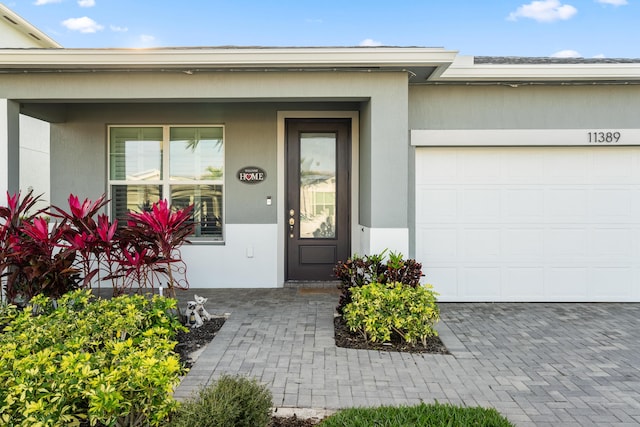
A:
(251, 175)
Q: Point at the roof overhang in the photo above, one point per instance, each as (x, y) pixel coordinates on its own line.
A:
(39, 38)
(420, 62)
(465, 70)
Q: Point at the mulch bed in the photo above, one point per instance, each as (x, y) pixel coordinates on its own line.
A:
(347, 339)
(196, 338)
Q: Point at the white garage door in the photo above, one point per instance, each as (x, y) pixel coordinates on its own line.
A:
(529, 223)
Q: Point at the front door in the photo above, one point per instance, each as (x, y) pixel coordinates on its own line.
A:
(317, 219)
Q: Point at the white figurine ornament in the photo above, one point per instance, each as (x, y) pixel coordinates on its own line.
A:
(196, 313)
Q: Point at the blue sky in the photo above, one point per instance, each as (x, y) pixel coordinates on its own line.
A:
(586, 28)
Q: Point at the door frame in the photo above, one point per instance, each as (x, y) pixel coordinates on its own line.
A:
(282, 164)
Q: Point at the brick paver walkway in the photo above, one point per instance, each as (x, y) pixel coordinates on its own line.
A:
(538, 364)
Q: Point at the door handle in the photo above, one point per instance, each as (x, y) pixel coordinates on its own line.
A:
(292, 223)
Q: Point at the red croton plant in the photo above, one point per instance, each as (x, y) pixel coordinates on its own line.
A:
(82, 248)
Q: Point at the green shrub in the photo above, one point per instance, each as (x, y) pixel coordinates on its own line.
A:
(423, 415)
(232, 401)
(75, 359)
(361, 270)
(377, 310)
(8, 312)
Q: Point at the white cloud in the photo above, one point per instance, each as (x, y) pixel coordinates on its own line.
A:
(566, 54)
(83, 25)
(613, 2)
(117, 29)
(41, 2)
(146, 38)
(544, 11)
(370, 42)
(600, 55)
(86, 3)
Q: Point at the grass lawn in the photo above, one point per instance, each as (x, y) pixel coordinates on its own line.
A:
(422, 415)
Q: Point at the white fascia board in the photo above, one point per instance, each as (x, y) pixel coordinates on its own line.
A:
(18, 23)
(225, 58)
(464, 70)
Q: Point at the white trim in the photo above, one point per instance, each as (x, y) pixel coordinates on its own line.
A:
(524, 137)
(282, 190)
(464, 69)
(185, 58)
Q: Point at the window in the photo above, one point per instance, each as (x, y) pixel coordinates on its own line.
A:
(184, 164)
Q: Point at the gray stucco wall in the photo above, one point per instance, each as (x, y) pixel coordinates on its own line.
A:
(79, 148)
(383, 154)
(246, 102)
(582, 106)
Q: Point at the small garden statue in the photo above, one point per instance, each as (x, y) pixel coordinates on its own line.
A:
(196, 313)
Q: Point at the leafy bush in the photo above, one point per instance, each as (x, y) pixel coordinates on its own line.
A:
(232, 401)
(29, 257)
(82, 245)
(77, 358)
(426, 415)
(377, 310)
(361, 270)
(8, 312)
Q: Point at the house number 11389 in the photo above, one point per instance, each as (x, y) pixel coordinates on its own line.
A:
(604, 137)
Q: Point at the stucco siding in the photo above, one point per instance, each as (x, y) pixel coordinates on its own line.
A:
(34, 157)
(524, 107)
(79, 149)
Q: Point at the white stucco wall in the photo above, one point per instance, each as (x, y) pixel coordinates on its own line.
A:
(34, 158)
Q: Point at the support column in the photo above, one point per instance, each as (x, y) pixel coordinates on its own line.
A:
(384, 165)
(9, 148)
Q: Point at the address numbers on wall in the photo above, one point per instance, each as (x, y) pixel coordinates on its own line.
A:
(600, 137)
(523, 137)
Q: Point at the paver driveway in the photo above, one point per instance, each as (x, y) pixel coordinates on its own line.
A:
(538, 364)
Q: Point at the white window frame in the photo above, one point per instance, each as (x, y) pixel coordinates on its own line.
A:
(165, 183)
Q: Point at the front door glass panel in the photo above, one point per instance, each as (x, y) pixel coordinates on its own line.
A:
(318, 185)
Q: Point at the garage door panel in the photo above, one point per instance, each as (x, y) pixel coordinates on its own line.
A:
(566, 165)
(523, 244)
(481, 244)
(438, 244)
(527, 283)
(524, 168)
(612, 203)
(612, 242)
(567, 204)
(480, 167)
(480, 204)
(612, 166)
(566, 243)
(447, 280)
(613, 283)
(523, 204)
(543, 224)
(439, 204)
(440, 167)
(567, 283)
(481, 282)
